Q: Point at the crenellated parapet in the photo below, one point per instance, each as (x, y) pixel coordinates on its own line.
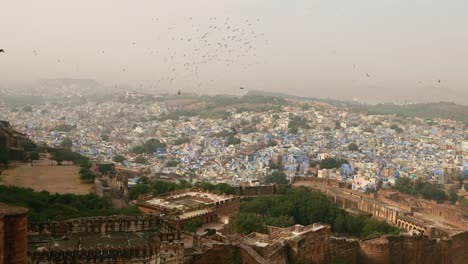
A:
(137, 223)
(121, 254)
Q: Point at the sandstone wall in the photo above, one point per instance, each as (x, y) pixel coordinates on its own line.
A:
(13, 237)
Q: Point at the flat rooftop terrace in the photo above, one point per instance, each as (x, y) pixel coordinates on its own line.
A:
(187, 200)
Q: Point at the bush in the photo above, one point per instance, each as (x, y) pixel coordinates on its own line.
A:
(277, 177)
(353, 147)
(44, 206)
(193, 224)
(172, 163)
(118, 158)
(246, 223)
(149, 147)
(141, 159)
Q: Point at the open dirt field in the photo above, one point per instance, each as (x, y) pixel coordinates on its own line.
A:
(56, 179)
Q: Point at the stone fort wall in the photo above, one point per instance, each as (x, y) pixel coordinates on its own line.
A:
(401, 249)
(150, 222)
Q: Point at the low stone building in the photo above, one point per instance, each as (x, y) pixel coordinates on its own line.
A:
(192, 203)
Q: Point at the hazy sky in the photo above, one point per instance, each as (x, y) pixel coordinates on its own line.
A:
(299, 45)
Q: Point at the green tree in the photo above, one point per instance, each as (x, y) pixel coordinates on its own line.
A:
(404, 185)
(432, 192)
(141, 159)
(86, 174)
(353, 147)
(181, 140)
(277, 177)
(66, 143)
(246, 223)
(29, 145)
(396, 128)
(4, 156)
(34, 155)
(138, 190)
(233, 141)
(293, 130)
(193, 224)
(65, 128)
(118, 158)
(331, 163)
(44, 206)
(172, 163)
(149, 146)
(272, 143)
(453, 197)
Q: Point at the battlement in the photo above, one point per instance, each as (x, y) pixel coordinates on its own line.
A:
(149, 222)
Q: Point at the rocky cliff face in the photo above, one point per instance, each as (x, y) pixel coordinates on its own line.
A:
(11, 142)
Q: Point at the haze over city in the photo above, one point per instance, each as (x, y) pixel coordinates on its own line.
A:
(385, 50)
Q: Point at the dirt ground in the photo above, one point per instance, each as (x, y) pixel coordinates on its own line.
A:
(56, 179)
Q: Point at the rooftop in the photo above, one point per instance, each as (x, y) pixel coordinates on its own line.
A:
(191, 199)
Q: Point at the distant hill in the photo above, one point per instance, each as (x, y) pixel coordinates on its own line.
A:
(443, 110)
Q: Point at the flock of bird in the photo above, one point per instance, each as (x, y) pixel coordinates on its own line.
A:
(214, 42)
(200, 45)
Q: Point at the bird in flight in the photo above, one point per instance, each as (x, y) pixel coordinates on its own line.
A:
(242, 88)
(367, 74)
(178, 93)
(1, 50)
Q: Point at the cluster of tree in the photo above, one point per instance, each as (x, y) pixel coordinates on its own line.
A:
(66, 143)
(65, 128)
(278, 177)
(118, 158)
(259, 108)
(193, 224)
(353, 147)
(302, 206)
(4, 156)
(329, 163)
(426, 189)
(232, 140)
(249, 129)
(66, 154)
(443, 110)
(296, 122)
(272, 143)
(216, 188)
(396, 128)
(172, 163)
(181, 140)
(250, 100)
(147, 186)
(140, 159)
(149, 147)
(177, 114)
(105, 168)
(44, 206)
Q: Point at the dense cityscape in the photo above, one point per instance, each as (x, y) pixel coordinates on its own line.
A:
(237, 132)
